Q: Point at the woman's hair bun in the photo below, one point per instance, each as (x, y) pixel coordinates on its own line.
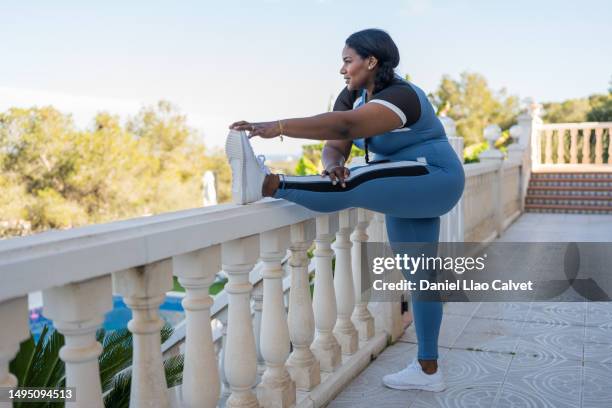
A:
(377, 43)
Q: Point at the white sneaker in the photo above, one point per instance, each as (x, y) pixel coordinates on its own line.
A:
(413, 378)
(248, 171)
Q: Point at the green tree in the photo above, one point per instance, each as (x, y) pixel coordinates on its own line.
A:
(473, 105)
(601, 107)
(56, 176)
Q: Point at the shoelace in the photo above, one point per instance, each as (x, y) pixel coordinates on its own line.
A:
(261, 159)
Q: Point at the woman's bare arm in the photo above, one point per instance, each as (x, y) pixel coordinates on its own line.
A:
(368, 120)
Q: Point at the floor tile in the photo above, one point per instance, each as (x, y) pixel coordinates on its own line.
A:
(537, 381)
(597, 389)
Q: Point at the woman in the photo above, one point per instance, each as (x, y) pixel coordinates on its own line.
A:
(416, 176)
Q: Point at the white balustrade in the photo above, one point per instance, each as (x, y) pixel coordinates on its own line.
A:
(276, 389)
(240, 361)
(579, 152)
(196, 272)
(325, 345)
(362, 318)
(302, 363)
(345, 330)
(144, 289)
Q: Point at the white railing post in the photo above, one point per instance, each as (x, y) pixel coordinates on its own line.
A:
(144, 289)
(325, 345)
(14, 318)
(345, 330)
(240, 360)
(258, 295)
(532, 134)
(561, 146)
(225, 387)
(516, 153)
(362, 318)
(586, 146)
(493, 155)
(387, 315)
(196, 273)
(451, 223)
(276, 388)
(573, 145)
(599, 145)
(77, 311)
(302, 364)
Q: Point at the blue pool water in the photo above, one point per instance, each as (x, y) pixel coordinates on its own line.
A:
(171, 311)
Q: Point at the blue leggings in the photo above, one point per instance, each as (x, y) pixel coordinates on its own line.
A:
(412, 198)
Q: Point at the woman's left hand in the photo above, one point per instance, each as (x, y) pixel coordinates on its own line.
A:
(267, 130)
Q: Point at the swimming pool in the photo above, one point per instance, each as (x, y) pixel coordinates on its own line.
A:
(171, 311)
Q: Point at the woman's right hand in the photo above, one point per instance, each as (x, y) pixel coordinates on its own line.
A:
(337, 173)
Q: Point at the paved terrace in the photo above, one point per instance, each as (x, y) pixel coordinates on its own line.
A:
(511, 354)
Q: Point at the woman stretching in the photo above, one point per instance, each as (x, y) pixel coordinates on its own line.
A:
(414, 178)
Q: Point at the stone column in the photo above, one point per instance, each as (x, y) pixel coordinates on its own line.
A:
(143, 290)
(77, 311)
(240, 359)
(196, 272)
(302, 364)
(14, 318)
(362, 318)
(257, 295)
(325, 345)
(276, 389)
(345, 331)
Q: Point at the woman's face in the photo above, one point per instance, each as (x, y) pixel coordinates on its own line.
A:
(355, 69)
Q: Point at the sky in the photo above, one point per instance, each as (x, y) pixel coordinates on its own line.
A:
(258, 60)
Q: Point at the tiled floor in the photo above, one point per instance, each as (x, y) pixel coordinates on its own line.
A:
(510, 354)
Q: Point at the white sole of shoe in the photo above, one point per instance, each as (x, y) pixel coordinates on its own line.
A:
(234, 149)
(431, 387)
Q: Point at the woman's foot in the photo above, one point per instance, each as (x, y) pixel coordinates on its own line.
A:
(414, 378)
(250, 177)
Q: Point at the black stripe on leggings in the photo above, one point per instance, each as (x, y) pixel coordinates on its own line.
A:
(327, 186)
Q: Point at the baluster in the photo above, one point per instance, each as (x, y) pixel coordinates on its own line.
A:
(325, 345)
(586, 146)
(302, 364)
(276, 389)
(225, 387)
(258, 296)
(561, 146)
(77, 311)
(240, 359)
(144, 289)
(548, 141)
(15, 329)
(345, 331)
(574, 146)
(362, 318)
(598, 146)
(196, 272)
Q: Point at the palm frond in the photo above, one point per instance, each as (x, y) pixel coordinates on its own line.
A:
(118, 395)
(173, 367)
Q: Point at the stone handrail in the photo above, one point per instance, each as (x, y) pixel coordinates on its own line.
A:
(333, 336)
(572, 143)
